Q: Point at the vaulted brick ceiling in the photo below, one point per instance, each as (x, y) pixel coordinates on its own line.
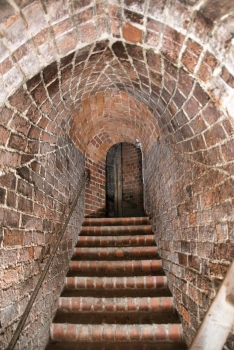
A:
(173, 57)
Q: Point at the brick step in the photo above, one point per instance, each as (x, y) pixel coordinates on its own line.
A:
(115, 230)
(110, 253)
(115, 241)
(143, 282)
(115, 332)
(116, 295)
(124, 317)
(116, 221)
(86, 304)
(105, 345)
(116, 267)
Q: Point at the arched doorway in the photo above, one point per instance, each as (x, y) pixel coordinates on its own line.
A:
(124, 184)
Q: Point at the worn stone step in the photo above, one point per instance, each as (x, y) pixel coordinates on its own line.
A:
(115, 230)
(87, 304)
(119, 253)
(115, 241)
(115, 332)
(116, 267)
(143, 282)
(116, 221)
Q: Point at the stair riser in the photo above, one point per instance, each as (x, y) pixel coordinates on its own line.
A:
(113, 253)
(149, 282)
(116, 266)
(94, 241)
(116, 304)
(115, 231)
(96, 333)
(116, 221)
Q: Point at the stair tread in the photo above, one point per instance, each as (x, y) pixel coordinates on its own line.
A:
(143, 282)
(115, 221)
(116, 241)
(133, 345)
(123, 263)
(124, 299)
(123, 318)
(117, 253)
(86, 249)
(115, 267)
(130, 293)
(117, 332)
(116, 295)
(117, 304)
(112, 230)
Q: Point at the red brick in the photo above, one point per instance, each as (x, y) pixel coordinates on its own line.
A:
(160, 333)
(70, 332)
(58, 331)
(121, 333)
(109, 305)
(108, 333)
(154, 303)
(143, 304)
(82, 333)
(150, 281)
(167, 304)
(75, 304)
(132, 33)
(147, 332)
(135, 333)
(174, 332)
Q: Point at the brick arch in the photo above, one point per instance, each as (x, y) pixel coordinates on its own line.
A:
(95, 195)
(113, 110)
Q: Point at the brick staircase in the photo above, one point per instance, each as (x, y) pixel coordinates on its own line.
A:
(116, 294)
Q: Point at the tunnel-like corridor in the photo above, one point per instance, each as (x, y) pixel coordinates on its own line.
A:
(78, 77)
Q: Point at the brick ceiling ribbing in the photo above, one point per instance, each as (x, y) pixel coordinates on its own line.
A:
(173, 60)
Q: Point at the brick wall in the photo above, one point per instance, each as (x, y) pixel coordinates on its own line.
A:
(189, 198)
(40, 171)
(132, 180)
(79, 77)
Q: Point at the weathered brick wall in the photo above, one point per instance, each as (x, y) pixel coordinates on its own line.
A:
(95, 193)
(109, 72)
(132, 180)
(33, 203)
(40, 171)
(190, 203)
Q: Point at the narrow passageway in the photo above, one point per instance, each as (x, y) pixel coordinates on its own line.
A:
(79, 77)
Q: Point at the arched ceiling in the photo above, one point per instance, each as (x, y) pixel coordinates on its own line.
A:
(60, 59)
(113, 113)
